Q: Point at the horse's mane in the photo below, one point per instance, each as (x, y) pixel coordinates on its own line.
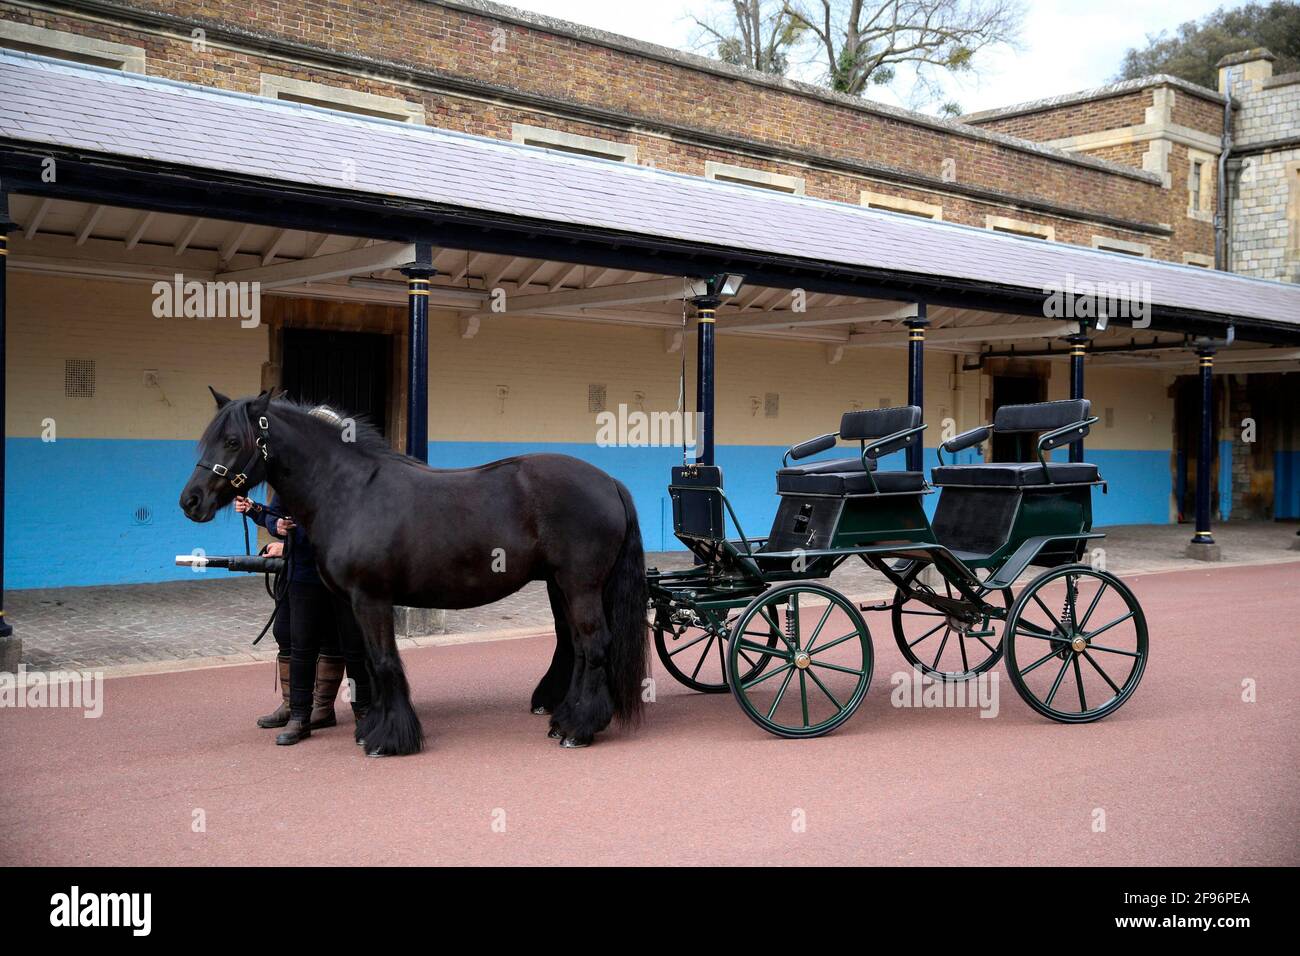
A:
(368, 439)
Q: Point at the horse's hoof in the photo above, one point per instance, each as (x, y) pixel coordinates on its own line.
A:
(572, 743)
(378, 752)
(541, 710)
(554, 734)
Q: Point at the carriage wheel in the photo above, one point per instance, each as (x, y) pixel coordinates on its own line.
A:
(696, 656)
(1077, 644)
(821, 668)
(942, 647)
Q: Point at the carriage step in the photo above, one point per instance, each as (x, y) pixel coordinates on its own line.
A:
(878, 606)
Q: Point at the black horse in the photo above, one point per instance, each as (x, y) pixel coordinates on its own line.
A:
(390, 530)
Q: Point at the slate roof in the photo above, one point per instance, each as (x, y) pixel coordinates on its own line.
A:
(44, 101)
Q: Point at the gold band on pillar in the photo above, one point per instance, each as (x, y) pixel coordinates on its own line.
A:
(916, 335)
(4, 244)
(1207, 361)
(706, 315)
(417, 287)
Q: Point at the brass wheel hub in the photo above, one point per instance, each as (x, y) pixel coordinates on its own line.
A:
(1080, 644)
(802, 660)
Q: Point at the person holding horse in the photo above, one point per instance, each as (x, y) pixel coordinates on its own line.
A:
(307, 630)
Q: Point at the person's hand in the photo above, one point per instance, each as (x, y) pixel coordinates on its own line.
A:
(275, 549)
(243, 505)
(284, 525)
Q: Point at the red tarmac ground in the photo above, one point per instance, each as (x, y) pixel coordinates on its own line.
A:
(1186, 772)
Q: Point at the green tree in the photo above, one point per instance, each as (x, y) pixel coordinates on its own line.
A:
(1195, 48)
(758, 34)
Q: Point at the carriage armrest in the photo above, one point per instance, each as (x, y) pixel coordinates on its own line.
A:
(810, 447)
(966, 439)
(1066, 435)
(891, 443)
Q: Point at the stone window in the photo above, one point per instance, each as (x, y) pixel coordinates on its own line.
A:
(341, 99)
(71, 46)
(1019, 227)
(910, 207)
(727, 173)
(1199, 260)
(1106, 244)
(1200, 185)
(573, 143)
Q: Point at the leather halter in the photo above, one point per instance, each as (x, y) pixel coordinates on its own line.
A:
(261, 447)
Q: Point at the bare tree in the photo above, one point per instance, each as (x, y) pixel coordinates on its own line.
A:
(864, 42)
(754, 33)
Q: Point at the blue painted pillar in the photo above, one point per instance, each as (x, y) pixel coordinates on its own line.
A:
(916, 379)
(418, 275)
(1205, 484)
(1078, 348)
(706, 310)
(6, 630)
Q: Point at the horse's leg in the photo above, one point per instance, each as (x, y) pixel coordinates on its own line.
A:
(555, 682)
(390, 726)
(589, 706)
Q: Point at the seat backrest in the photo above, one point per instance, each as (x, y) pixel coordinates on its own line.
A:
(1041, 416)
(697, 503)
(878, 422)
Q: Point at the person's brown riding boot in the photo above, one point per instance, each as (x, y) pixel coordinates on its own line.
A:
(329, 676)
(359, 712)
(280, 716)
(298, 728)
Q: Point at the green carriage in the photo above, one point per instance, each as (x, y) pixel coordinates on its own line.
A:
(754, 616)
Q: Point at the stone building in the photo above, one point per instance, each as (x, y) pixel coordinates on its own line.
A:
(1128, 170)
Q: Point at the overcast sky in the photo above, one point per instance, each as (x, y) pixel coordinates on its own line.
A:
(1067, 45)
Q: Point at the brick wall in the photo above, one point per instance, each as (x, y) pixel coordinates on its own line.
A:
(679, 116)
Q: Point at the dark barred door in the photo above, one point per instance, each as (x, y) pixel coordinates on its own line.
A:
(347, 371)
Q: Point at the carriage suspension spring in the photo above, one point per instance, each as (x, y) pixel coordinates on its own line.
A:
(790, 624)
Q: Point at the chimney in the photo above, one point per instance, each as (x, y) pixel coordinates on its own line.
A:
(1251, 67)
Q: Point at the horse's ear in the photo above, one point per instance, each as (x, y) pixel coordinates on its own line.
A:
(257, 406)
(222, 400)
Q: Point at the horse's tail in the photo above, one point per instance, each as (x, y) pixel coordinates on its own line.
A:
(625, 598)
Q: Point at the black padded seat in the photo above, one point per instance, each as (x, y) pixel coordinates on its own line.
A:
(1014, 474)
(792, 481)
(828, 466)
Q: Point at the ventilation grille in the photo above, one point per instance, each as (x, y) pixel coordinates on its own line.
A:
(79, 378)
(595, 398)
(143, 514)
(771, 405)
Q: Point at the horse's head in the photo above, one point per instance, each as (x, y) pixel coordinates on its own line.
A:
(230, 456)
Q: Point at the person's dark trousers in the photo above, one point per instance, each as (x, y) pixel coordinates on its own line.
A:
(280, 629)
(313, 631)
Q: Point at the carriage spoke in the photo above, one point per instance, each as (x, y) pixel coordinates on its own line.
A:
(825, 690)
(1112, 650)
(758, 680)
(1056, 684)
(803, 694)
(771, 619)
(1078, 682)
(942, 644)
(706, 635)
(927, 633)
(1042, 660)
(961, 642)
(820, 624)
(1033, 630)
(1056, 624)
(1054, 636)
(837, 667)
(781, 693)
(1107, 627)
(722, 658)
(1104, 675)
(764, 649)
(838, 640)
(1083, 624)
(992, 649)
(700, 663)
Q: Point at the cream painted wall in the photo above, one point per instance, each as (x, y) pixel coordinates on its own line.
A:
(53, 319)
(1143, 410)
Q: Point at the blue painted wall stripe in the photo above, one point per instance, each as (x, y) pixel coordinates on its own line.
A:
(70, 504)
(1286, 484)
(1225, 480)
